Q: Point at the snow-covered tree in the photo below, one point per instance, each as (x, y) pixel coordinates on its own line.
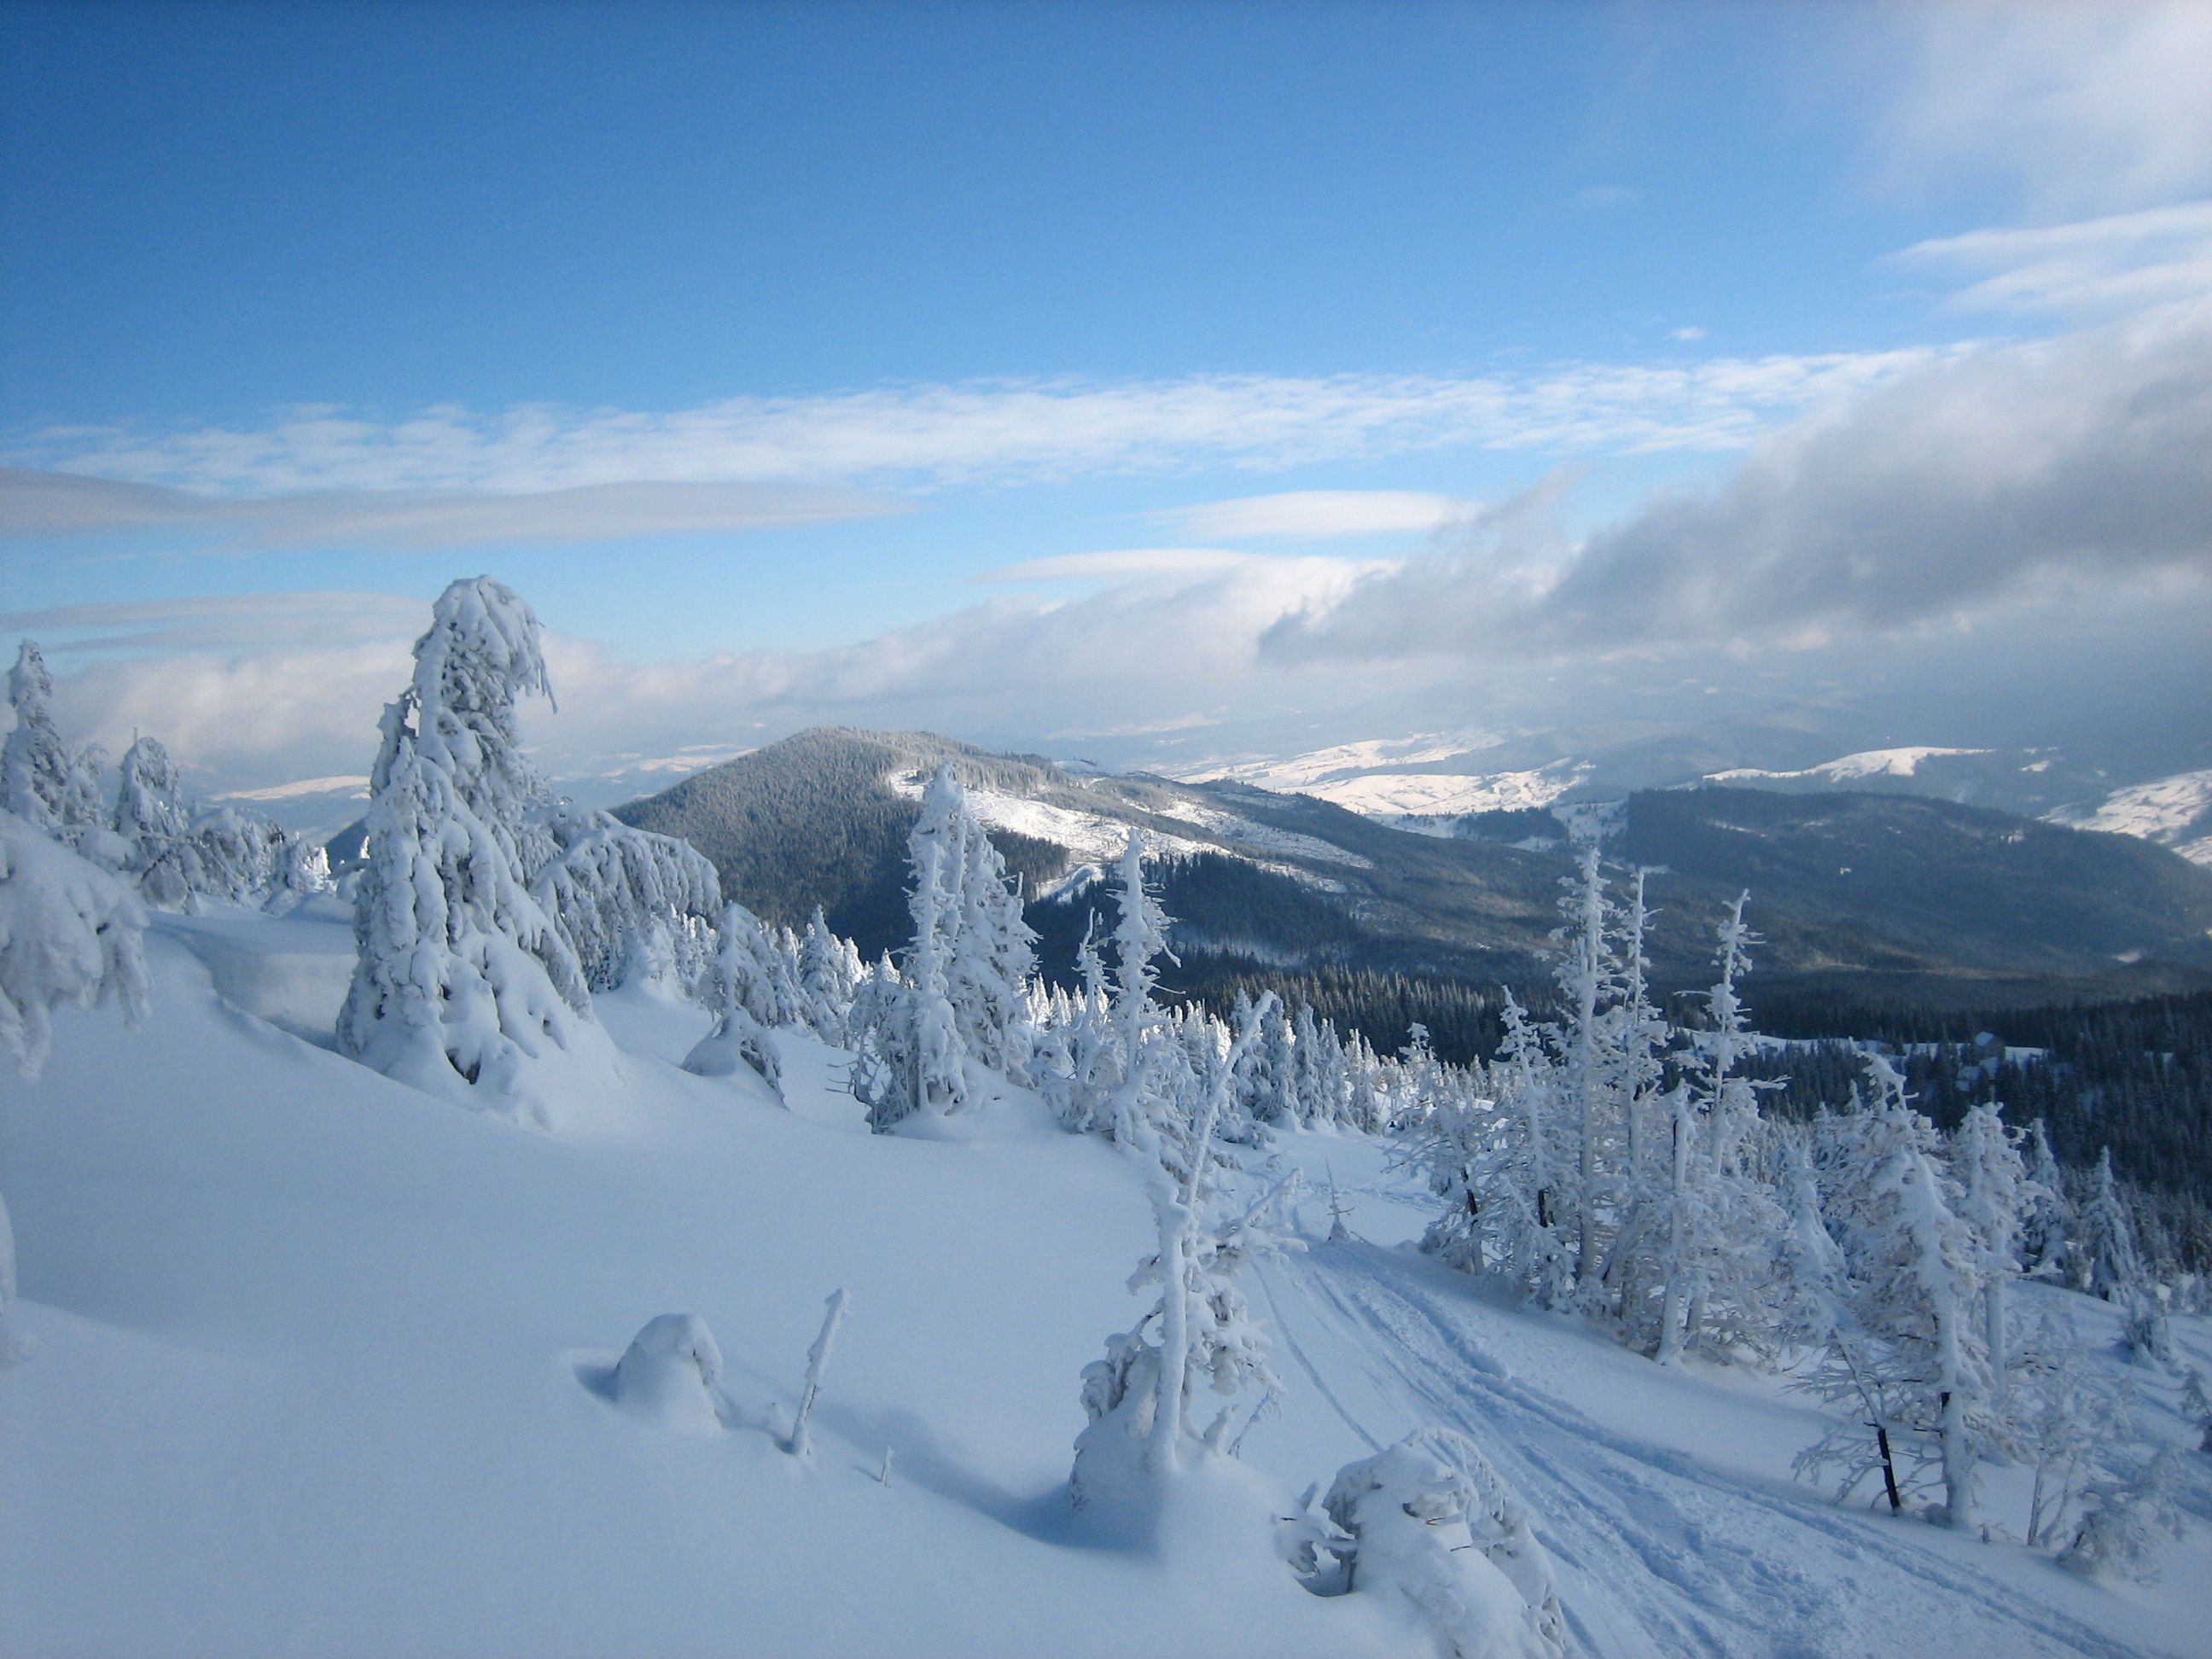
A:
(993, 957)
(2047, 1226)
(2103, 1254)
(241, 854)
(464, 985)
(70, 933)
(2125, 1517)
(41, 781)
(1429, 1523)
(609, 886)
(1141, 1398)
(918, 1059)
(1907, 1356)
(752, 993)
(830, 971)
(155, 825)
(1993, 1196)
(1712, 1223)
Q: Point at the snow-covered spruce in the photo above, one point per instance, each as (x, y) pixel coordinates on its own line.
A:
(43, 782)
(155, 825)
(626, 898)
(1907, 1359)
(1429, 1525)
(464, 986)
(70, 933)
(751, 992)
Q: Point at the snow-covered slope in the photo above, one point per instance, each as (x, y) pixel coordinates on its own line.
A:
(2174, 812)
(1853, 769)
(324, 1367)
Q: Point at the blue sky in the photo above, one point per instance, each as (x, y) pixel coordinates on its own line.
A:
(936, 291)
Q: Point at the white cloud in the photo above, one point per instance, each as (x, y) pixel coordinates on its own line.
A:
(2092, 106)
(44, 503)
(1688, 331)
(925, 436)
(1119, 564)
(1318, 515)
(2053, 466)
(2118, 262)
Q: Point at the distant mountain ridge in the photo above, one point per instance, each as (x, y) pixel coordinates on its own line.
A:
(1872, 896)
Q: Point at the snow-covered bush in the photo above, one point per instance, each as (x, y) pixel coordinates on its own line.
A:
(1429, 1524)
(464, 985)
(2124, 1520)
(671, 1376)
(70, 932)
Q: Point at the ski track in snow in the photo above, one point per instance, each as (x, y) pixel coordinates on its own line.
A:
(1658, 1553)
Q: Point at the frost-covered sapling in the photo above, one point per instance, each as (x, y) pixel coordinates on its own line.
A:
(1432, 1527)
(818, 1363)
(70, 933)
(671, 1376)
(1140, 1398)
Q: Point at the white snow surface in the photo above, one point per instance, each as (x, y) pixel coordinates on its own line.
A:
(2174, 812)
(1867, 763)
(326, 1366)
(1394, 778)
(1096, 839)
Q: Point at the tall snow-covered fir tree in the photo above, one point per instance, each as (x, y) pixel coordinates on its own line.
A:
(1907, 1356)
(993, 962)
(905, 1025)
(1993, 1197)
(70, 933)
(464, 985)
(156, 826)
(41, 781)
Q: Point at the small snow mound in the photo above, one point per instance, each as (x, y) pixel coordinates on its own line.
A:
(1436, 1530)
(671, 1374)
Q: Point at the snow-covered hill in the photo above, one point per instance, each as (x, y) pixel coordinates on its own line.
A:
(322, 1367)
(2175, 811)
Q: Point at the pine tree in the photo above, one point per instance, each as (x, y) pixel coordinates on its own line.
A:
(156, 826)
(41, 781)
(1994, 1190)
(464, 985)
(2102, 1254)
(1908, 1355)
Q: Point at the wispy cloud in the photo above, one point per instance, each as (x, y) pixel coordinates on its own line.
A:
(2117, 262)
(1318, 515)
(920, 437)
(2091, 106)
(1119, 564)
(46, 503)
(241, 621)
